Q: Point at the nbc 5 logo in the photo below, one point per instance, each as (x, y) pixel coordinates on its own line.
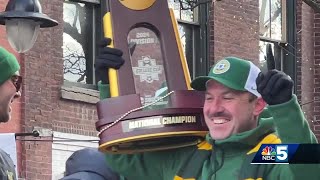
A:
(282, 153)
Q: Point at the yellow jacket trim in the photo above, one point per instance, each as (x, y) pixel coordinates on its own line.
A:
(270, 139)
(180, 178)
(204, 145)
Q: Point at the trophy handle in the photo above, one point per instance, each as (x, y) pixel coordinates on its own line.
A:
(179, 44)
(113, 77)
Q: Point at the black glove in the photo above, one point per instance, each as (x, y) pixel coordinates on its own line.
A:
(270, 57)
(275, 87)
(107, 58)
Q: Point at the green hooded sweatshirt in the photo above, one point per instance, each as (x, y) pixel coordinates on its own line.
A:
(227, 159)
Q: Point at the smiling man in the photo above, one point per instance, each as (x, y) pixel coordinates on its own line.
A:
(237, 94)
(228, 111)
(10, 83)
(232, 102)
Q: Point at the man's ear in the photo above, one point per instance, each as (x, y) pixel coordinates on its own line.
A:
(260, 105)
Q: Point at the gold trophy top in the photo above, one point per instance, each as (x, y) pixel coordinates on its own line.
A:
(137, 5)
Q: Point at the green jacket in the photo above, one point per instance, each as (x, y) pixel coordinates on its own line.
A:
(227, 159)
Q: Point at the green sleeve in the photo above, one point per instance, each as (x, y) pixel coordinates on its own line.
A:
(104, 90)
(158, 165)
(292, 127)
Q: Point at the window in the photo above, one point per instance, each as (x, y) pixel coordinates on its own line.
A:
(81, 28)
(272, 31)
(193, 30)
(272, 20)
(278, 28)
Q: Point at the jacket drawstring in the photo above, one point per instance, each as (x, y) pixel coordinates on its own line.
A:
(216, 167)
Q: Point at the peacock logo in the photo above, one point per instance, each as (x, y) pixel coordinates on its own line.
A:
(268, 151)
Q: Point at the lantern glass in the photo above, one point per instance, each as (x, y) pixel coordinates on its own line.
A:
(22, 33)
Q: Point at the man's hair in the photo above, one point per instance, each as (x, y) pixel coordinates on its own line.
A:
(252, 97)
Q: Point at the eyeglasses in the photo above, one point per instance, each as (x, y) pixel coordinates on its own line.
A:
(17, 81)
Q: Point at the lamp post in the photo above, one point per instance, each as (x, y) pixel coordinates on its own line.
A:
(23, 19)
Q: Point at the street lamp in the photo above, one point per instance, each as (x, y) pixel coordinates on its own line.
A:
(22, 19)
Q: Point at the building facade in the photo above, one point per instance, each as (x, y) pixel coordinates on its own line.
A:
(59, 93)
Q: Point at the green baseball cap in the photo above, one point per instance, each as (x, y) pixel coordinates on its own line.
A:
(233, 72)
(8, 65)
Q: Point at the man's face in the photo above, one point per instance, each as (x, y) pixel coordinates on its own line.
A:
(8, 93)
(228, 111)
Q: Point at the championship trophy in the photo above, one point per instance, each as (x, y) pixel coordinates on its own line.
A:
(152, 106)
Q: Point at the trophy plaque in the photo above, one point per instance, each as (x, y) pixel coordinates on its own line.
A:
(152, 106)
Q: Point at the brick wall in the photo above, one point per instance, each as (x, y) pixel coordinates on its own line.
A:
(235, 29)
(298, 46)
(316, 80)
(42, 80)
(305, 54)
(43, 106)
(308, 60)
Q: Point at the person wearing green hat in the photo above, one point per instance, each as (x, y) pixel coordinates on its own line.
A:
(243, 109)
(10, 84)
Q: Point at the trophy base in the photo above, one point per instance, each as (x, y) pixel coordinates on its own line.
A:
(152, 142)
(180, 124)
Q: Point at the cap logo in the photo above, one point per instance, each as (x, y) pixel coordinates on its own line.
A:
(221, 67)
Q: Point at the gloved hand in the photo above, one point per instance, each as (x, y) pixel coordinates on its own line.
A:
(275, 87)
(107, 58)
